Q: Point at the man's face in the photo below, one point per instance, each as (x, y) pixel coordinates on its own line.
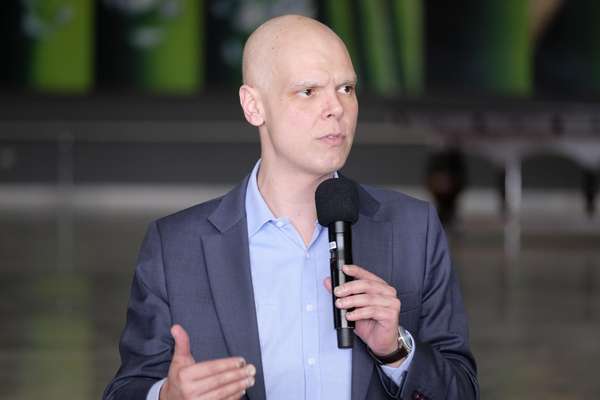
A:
(310, 107)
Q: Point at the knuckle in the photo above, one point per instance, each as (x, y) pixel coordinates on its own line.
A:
(393, 291)
(391, 313)
(375, 315)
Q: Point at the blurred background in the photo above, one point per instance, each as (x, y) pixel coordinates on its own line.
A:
(116, 112)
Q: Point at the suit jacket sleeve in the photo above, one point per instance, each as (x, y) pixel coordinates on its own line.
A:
(442, 367)
(146, 343)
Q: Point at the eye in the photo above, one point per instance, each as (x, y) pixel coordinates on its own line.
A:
(347, 89)
(307, 92)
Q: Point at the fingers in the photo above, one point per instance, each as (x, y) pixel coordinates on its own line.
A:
(368, 300)
(368, 297)
(236, 396)
(373, 305)
(182, 354)
(212, 368)
(364, 285)
(365, 282)
(234, 390)
(215, 379)
(360, 273)
(222, 384)
(384, 316)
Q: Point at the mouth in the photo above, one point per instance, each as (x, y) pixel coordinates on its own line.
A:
(333, 139)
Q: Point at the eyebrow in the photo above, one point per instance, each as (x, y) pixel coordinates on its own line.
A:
(307, 83)
(314, 83)
(349, 82)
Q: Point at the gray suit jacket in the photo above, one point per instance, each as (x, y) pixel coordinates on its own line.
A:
(194, 270)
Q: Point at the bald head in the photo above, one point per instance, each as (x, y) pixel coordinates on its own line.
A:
(267, 43)
(299, 91)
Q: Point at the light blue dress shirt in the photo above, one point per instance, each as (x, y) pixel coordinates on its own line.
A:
(298, 343)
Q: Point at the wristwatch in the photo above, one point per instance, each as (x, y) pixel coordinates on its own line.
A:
(405, 346)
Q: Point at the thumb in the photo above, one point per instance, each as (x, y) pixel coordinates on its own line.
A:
(182, 351)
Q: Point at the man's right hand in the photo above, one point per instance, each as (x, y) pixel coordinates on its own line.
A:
(225, 378)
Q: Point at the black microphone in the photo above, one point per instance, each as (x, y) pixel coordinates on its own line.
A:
(337, 209)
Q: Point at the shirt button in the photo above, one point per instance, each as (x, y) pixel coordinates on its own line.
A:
(307, 255)
(279, 224)
(311, 361)
(310, 307)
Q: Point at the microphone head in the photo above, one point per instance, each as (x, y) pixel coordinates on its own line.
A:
(336, 200)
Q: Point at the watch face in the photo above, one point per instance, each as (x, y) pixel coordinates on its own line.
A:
(405, 339)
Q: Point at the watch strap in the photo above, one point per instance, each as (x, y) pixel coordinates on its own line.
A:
(397, 355)
(404, 348)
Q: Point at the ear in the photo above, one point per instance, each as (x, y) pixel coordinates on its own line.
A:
(252, 106)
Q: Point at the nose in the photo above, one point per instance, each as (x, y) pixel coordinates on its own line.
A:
(333, 107)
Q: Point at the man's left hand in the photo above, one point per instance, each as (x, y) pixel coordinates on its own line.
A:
(376, 308)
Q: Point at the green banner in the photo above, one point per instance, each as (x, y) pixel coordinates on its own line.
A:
(385, 41)
(60, 33)
(506, 51)
(169, 46)
(408, 16)
(339, 16)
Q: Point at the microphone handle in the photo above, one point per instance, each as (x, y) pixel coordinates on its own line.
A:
(340, 254)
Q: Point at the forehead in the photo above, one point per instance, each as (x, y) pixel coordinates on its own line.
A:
(312, 57)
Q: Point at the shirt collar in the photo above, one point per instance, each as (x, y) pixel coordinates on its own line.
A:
(257, 211)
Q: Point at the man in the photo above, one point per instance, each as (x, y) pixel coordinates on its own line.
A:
(230, 298)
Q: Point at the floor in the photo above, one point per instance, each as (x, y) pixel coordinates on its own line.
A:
(534, 316)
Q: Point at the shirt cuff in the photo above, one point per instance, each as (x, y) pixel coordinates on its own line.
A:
(397, 374)
(154, 392)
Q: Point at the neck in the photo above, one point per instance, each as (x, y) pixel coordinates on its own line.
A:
(292, 195)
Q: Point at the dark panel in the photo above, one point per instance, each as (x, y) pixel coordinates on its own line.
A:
(551, 172)
(387, 165)
(27, 162)
(163, 162)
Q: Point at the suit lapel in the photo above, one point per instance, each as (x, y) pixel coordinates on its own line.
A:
(228, 266)
(371, 247)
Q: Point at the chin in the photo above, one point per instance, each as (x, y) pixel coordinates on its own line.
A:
(331, 166)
